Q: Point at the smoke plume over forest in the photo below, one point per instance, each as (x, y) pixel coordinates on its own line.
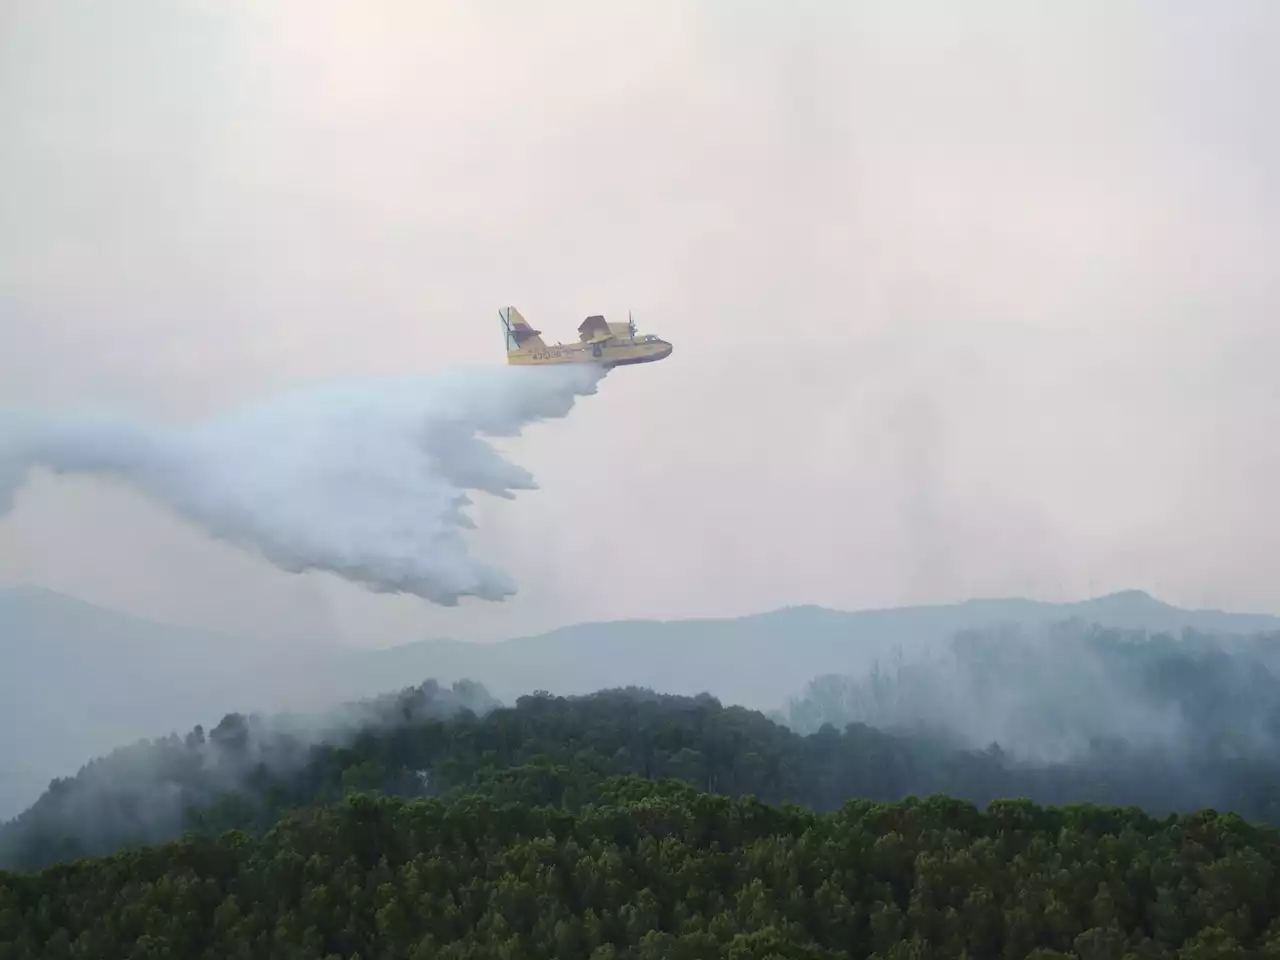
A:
(1060, 692)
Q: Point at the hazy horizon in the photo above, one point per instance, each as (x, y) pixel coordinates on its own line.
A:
(746, 612)
(962, 305)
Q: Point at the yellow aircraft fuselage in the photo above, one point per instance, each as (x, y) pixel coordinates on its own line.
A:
(612, 354)
(606, 344)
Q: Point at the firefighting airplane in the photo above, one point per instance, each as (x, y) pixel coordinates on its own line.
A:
(607, 344)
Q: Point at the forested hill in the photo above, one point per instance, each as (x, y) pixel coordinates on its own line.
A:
(149, 790)
(615, 826)
(561, 749)
(663, 872)
(80, 680)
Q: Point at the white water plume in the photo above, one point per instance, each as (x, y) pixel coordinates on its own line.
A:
(366, 480)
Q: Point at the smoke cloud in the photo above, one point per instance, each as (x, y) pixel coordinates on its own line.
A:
(1066, 692)
(366, 480)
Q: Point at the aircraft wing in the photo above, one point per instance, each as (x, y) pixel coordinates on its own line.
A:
(595, 330)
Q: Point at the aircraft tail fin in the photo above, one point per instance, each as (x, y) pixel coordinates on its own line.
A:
(519, 334)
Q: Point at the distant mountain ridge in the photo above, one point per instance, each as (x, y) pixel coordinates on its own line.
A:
(1138, 610)
(759, 659)
(77, 680)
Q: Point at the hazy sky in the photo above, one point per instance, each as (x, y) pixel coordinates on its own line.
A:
(963, 303)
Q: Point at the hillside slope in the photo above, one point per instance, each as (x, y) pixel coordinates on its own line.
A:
(432, 741)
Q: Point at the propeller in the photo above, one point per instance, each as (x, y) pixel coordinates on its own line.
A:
(631, 325)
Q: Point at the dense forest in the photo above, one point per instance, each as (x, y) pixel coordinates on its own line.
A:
(436, 822)
(660, 870)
